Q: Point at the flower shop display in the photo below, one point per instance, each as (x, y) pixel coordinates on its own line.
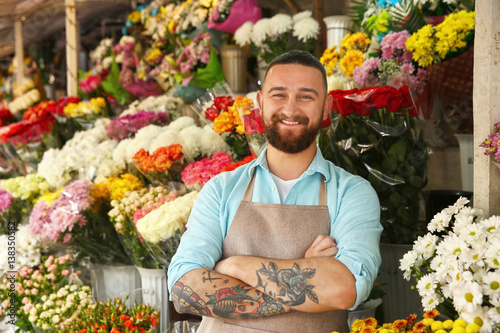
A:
(114, 316)
(373, 134)
(198, 173)
(270, 37)
(160, 167)
(89, 154)
(28, 187)
(73, 217)
(163, 103)
(86, 113)
(24, 101)
(189, 15)
(492, 144)
(229, 15)
(28, 250)
(162, 228)
(456, 265)
(33, 287)
(127, 125)
(127, 210)
(12, 212)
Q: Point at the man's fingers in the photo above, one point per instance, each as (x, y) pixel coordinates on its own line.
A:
(318, 240)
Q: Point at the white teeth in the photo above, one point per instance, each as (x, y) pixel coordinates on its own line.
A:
(290, 122)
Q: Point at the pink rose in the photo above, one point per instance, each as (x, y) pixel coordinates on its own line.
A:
(28, 307)
(34, 291)
(65, 272)
(29, 283)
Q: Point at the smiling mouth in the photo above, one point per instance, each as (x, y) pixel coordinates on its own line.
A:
(288, 122)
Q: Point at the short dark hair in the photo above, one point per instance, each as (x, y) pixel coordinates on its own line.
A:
(299, 57)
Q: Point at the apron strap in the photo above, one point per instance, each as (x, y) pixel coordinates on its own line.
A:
(249, 190)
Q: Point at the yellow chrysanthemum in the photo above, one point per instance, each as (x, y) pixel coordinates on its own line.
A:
(351, 60)
(134, 17)
(224, 122)
(114, 188)
(153, 56)
(49, 197)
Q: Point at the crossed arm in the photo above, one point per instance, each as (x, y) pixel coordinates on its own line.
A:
(247, 286)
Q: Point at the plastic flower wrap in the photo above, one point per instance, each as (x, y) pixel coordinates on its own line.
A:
(126, 211)
(456, 265)
(28, 250)
(270, 37)
(252, 124)
(12, 211)
(114, 316)
(73, 218)
(89, 155)
(198, 173)
(125, 126)
(33, 285)
(229, 15)
(162, 228)
(373, 134)
(492, 144)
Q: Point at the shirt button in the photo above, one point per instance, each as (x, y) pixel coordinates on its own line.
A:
(274, 188)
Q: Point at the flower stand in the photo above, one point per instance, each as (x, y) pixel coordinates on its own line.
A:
(116, 281)
(155, 293)
(400, 299)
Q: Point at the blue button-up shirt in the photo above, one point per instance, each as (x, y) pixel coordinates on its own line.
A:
(352, 204)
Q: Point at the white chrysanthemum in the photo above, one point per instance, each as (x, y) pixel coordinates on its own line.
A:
(426, 285)
(492, 225)
(306, 29)
(190, 139)
(457, 206)
(430, 302)
(439, 222)
(473, 234)
(491, 284)
(479, 315)
(494, 312)
(407, 262)
(492, 255)
(167, 138)
(280, 24)
(119, 153)
(302, 15)
(242, 35)
(260, 31)
(213, 142)
(426, 246)
(451, 245)
(181, 123)
(468, 297)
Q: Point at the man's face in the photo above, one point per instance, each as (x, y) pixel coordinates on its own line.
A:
(293, 106)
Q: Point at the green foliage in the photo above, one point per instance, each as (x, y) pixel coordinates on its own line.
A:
(113, 86)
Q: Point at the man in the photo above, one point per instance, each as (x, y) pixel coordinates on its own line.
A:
(288, 242)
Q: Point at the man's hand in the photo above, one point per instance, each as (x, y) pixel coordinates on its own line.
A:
(323, 246)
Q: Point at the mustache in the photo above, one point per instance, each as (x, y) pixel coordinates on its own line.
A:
(277, 117)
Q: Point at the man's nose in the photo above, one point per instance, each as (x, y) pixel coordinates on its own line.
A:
(290, 108)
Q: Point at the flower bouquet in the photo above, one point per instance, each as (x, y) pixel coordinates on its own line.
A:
(73, 218)
(492, 145)
(456, 265)
(198, 173)
(126, 126)
(126, 211)
(12, 211)
(373, 134)
(160, 167)
(162, 228)
(270, 37)
(23, 102)
(252, 123)
(229, 15)
(114, 316)
(26, 188)
(84, 114)
(34, 285)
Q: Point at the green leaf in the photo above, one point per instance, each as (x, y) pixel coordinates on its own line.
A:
(208, 76)
(397, 151)
(113, 86)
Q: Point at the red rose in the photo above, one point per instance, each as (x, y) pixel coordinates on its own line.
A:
(253, 122)
(396, 101)
(211, 113)
(381, 96)
(345, 102)
(362, 102)
(223, 102)
(407, 100)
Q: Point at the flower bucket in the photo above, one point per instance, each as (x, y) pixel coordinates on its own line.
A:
(399, 299)
(366, 310)
(155, 293)
(337, 27)
(466, 143)
(116, 281)
(234, 65)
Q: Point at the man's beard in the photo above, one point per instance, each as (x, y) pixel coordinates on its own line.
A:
(287, 143)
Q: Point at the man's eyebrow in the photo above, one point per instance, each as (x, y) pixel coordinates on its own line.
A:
(311, 90)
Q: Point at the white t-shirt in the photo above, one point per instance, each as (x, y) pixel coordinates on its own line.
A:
(284, 186)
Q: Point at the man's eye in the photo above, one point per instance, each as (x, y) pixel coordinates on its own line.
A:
(306, 97)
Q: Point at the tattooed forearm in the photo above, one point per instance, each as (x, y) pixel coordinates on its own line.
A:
(291, 286)
(216, 295)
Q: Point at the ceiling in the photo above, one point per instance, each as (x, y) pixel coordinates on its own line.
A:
(45, 18)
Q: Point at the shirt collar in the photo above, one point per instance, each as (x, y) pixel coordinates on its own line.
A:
(318, 164)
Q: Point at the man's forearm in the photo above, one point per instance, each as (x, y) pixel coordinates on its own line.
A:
(308, 285)
(206, 292)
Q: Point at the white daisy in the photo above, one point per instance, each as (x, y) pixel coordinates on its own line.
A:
(468, 297)
(491, 284)
(439, 222)
(426, 285)
(430, 302)
(426, 246)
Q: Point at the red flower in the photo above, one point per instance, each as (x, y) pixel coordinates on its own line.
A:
(344, 101)
(211, 113)
(91, 83)
(253, 122)
(223, 102)
(327, 122)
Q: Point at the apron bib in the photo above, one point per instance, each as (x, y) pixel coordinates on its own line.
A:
(280, 232)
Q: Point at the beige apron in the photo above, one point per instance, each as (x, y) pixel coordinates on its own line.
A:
(279, 232)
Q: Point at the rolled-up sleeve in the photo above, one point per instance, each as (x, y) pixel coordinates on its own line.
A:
(356, 228)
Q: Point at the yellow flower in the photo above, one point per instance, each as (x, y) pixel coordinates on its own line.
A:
(134, 17)
(448, 324)
(351, 60)
(153, 56)
(114, 188)
(472, 328)
(49, 198)
(437, 325)
(459, 323)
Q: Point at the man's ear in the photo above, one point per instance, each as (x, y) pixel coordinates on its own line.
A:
(260, 100)
(327, 106)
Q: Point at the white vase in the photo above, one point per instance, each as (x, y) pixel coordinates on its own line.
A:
(155, 293)
(337, 26)
(466, 144)
(366, 310)
(110, 282)
(400, 300)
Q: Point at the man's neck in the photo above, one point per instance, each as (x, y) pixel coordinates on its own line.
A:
(289, 166)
